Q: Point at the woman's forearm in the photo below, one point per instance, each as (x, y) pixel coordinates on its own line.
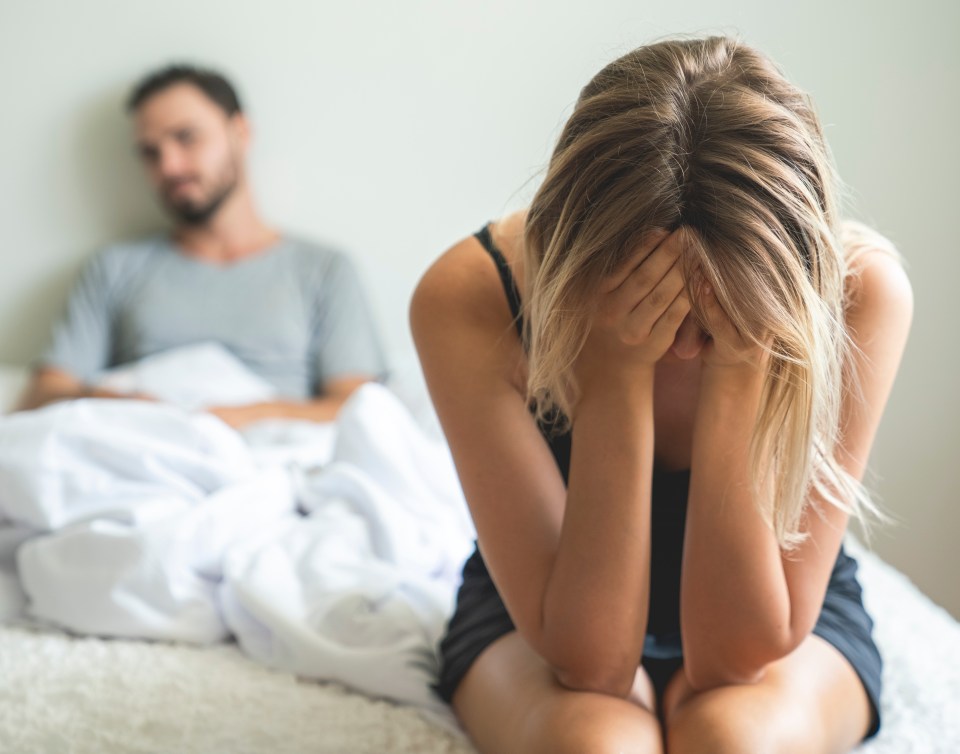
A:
(735, 606)
(595, 604)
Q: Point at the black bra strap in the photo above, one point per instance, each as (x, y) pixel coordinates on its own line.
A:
(506, 277)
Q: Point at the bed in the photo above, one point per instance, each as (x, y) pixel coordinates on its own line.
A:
(64, 692)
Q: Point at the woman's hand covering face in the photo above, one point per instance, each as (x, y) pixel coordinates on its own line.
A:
(726, 347)
(639, 309)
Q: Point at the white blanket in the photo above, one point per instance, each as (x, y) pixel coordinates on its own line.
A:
(359, 590)
(144, 520)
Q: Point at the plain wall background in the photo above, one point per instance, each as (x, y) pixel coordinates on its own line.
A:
(394, 129)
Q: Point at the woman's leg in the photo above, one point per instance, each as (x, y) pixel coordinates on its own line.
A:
(510, 702)
(810, 702)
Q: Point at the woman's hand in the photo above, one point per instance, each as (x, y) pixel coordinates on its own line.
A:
(636, 318)
(727, 347)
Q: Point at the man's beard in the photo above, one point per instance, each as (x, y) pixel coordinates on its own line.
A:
(195, 214)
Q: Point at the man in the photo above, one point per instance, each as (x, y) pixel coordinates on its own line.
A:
(293, 312)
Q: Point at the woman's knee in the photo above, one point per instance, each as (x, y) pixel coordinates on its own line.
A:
(509, 702)
(718, 723)
(576, 723)
(697, 727)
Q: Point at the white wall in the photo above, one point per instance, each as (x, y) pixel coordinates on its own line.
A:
(395, 128)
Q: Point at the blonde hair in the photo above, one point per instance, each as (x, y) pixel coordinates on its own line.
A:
(707, 137)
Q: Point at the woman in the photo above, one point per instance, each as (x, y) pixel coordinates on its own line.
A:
(660, 385)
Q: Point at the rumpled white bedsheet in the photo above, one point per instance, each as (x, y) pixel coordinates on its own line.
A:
(330, 552)
(359, 590)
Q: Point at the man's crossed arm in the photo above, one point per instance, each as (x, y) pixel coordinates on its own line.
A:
(50, 384)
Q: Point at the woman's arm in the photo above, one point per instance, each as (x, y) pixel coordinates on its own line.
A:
(572, 565)
(744, 604)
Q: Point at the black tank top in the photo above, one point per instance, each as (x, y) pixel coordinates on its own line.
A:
(668, 502)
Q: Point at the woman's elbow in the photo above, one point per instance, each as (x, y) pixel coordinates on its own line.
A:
(709, 670)
(740, 661)
(611, 683)
(704, 676)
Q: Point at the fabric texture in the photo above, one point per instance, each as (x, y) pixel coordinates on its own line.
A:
(481, 616)
(295, 313)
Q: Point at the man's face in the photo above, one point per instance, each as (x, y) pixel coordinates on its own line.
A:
(192, 150)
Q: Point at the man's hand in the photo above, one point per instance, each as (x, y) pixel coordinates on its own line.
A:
(100, 392)
(240, 416)
(322, 409)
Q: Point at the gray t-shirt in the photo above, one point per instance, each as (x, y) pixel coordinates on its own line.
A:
(295, 313)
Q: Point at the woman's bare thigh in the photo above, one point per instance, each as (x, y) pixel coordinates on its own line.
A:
(811, 701)
(509, 701)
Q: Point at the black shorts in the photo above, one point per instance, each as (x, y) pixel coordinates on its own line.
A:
(480, 618)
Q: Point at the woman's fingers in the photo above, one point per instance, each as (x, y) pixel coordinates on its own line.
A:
(717, 322)
(665, 328)
(646, 251)
(728, 346)
(647, 276)
(665, 290)
(636, 321)
(647, 311)
(656, 329)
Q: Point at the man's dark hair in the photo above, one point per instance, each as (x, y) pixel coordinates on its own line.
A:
(211, 83)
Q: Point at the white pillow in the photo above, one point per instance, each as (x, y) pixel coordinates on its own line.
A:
(192, 377)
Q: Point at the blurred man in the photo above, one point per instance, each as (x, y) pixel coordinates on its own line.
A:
(292, 312)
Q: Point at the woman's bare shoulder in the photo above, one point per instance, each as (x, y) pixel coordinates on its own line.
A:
(878, 318)
(459, 315)
(462, 284)
(877, 286)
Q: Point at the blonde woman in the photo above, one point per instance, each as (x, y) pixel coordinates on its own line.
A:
(660, 384)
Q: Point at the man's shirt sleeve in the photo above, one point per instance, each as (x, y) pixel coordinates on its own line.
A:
(345, 341)
(81, 340)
